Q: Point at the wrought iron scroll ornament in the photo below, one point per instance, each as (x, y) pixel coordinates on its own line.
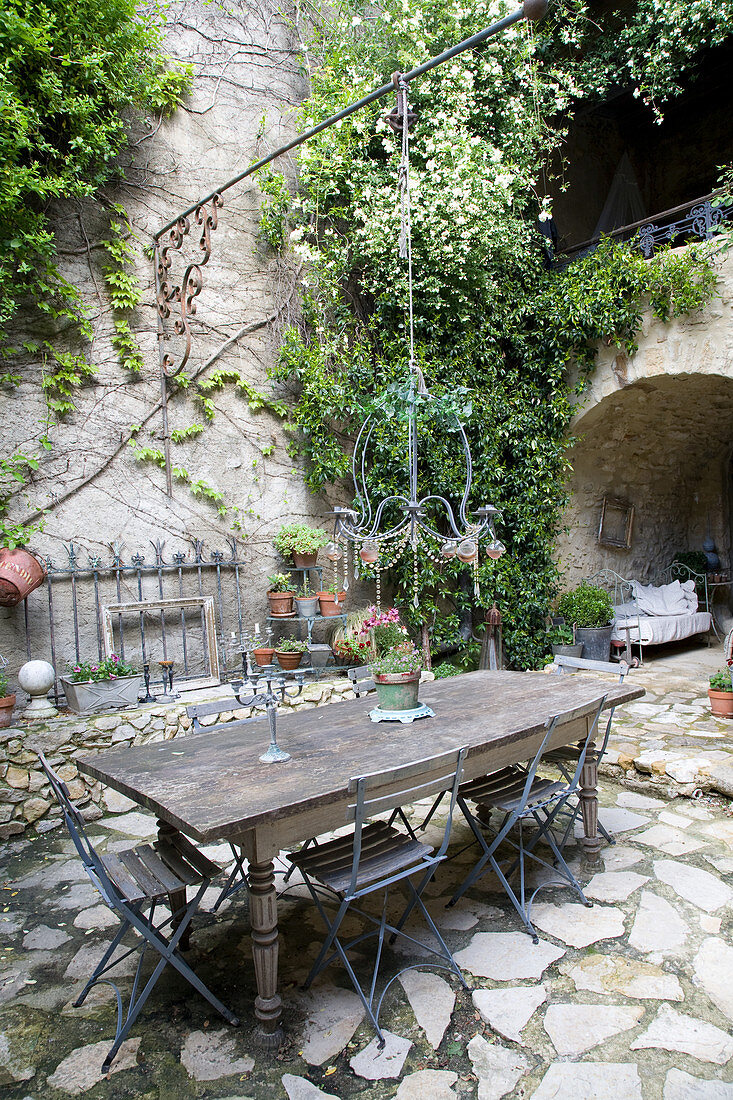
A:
(191, 285)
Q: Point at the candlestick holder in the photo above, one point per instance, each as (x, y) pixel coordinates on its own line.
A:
(270, 699)
(146, 677)
(166, 668)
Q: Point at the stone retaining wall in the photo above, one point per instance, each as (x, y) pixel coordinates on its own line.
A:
(26, 799)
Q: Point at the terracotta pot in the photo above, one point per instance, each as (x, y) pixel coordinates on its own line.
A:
(397, 690)
(304, 561)
(288, 661)
(20, 574)
(7, 703)
(281, 603)
(721, 703)
(328, 605)
(263, 655)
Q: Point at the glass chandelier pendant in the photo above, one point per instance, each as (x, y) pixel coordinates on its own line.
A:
(384, 529)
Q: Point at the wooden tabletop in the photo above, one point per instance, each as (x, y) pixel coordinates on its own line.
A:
(212, 785)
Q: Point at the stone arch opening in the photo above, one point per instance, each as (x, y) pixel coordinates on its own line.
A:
(665, 444)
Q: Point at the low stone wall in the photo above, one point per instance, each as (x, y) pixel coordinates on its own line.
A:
(26, 800)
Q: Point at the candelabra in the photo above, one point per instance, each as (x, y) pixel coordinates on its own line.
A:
(270, 699)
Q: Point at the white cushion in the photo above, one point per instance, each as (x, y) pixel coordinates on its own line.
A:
(626, 610)
(688, 591)
(666, 599)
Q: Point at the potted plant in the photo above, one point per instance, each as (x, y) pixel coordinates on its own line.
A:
(7, 701)
(590, 610)
(562, 641)
(394, 663)
(109, 683)
(20, 571)
(352, 650)
(280, 595)
(306, 600)
(331, 600)
(290, 652)
(264, 653)
(301, 542)
(720, 694)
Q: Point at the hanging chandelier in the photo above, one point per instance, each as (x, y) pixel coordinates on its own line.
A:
(380, 532)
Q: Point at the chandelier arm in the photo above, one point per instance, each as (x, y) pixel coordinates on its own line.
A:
(469, 475)
(360, 485)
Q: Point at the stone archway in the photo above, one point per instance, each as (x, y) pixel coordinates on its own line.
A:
(657, 430)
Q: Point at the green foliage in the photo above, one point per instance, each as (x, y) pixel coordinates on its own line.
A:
(4, 685)
(280, 582)
(299, 538)
(560, 635)
(276, 203)
(720, 681)
(197, 486)
(495, 330)
(586, 606)
(291, 645)
(444, 670)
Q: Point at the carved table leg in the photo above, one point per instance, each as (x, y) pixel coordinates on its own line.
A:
(176, 898)
(589, 804)
(263, 918)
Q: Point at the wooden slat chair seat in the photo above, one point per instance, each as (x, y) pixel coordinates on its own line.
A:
(566, 757)
(374, 857)
(132, 884)
(521, 796)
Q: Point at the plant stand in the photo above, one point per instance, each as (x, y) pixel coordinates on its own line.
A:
(404, 716)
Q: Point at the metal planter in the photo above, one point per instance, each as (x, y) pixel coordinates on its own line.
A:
(596, 642)
(307, 606)
(93, 696)
(397, 690)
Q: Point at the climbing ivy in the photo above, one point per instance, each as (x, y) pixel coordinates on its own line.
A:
(492, 323)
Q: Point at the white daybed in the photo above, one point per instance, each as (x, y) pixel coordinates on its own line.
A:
(654, 614)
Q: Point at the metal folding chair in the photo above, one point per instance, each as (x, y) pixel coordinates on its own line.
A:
(374, 857)
(567, 757)
(521, 795)
(132, 884)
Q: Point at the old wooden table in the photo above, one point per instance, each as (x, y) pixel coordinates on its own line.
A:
(211, 785)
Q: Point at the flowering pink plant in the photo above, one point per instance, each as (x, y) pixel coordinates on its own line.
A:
(109, 668)
(392, 648)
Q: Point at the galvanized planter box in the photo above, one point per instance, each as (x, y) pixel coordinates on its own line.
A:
(93, 696)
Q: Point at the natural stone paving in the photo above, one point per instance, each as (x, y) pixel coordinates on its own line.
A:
(632, 998)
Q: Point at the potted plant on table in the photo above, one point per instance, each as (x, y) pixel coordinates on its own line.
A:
(104, 685)
(331, 600)
(395, 663)
(289, 653)
(280, 595)
(590, 610)
(720, 694)
(301, 543)
(7, 698)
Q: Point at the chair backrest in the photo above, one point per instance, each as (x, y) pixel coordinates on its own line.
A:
(197, 711)
(588, 711)
(618, 668)
(77, 829)
(361, 680)
(405, 783)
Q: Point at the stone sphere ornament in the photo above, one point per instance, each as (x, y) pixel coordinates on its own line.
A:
(467, 550)
(37, 678)
(495, 549)
(369, 553)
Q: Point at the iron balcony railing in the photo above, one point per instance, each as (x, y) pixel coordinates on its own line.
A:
(698, 220)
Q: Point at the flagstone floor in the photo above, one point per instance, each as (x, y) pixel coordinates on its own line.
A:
(632, 998)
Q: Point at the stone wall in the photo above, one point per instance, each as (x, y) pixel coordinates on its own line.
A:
(248, 82)
(26, 799)
(657, 430)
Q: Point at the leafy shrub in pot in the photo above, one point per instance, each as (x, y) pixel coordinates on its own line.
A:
(301, 542)
(720, 694)
(290, 652)
(590, 609)
(280, 595)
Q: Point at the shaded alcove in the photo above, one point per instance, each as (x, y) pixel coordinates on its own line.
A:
(663, 444)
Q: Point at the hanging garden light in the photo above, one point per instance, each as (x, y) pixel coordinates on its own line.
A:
(388, 528)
